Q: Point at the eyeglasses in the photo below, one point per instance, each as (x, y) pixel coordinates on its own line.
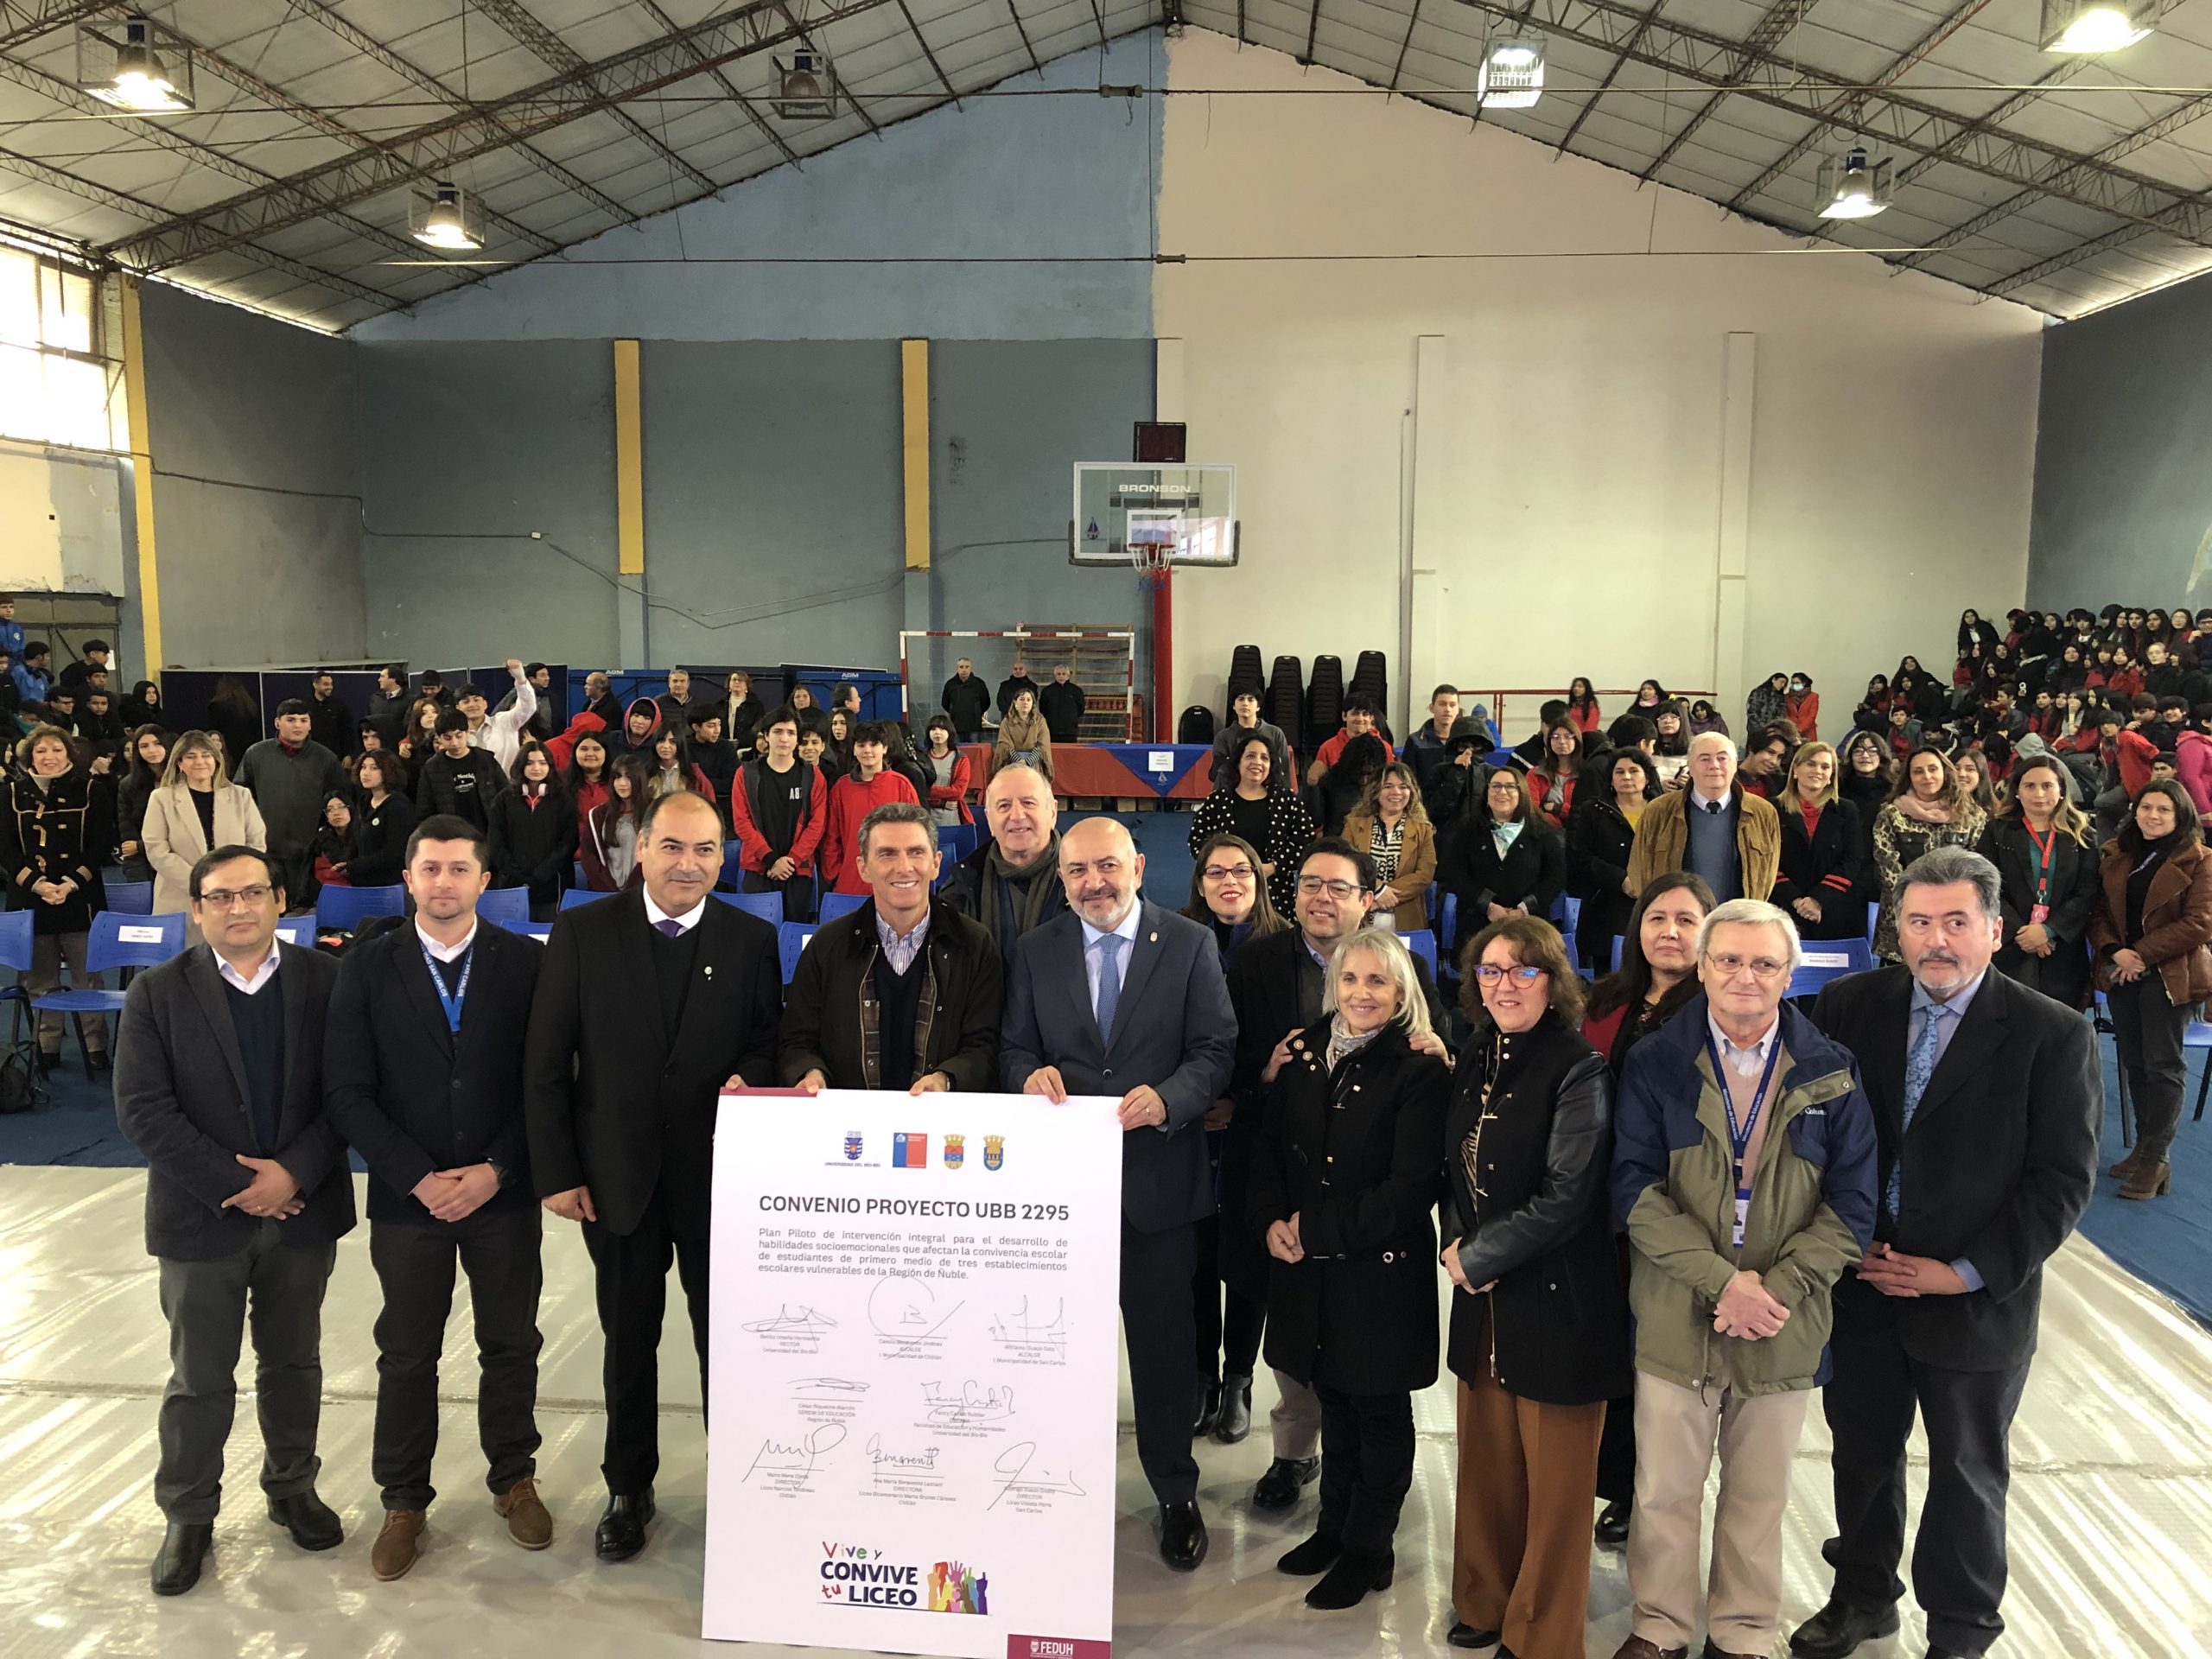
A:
(1764, 968)
(1335, 889)
(217, 899)
(1490, 973)
(1227, 872)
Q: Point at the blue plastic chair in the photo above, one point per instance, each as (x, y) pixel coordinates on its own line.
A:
(118, 939)
(341, 910)
(1616, 953)
(1422, 943)
(955, 841)
(733, 875)
(504, 906)
(298, 930)
(576, 870)
(1873, 920)
(834, 905)
(575, 896)
(1447, 918)
(131, 898)
(2198, 1035)
(16, 946)
(1566, 914)
(1851, 956)
(791, 940)
(768, 906)
(539, 931)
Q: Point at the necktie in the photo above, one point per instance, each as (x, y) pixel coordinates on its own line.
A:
(1919, 1067)
(669, 929)
(1109, 985)
(1716, 807)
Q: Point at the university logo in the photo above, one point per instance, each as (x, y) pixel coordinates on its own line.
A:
(852, 1145)
(994, 1151)
(956, 1151)
(910, 1151)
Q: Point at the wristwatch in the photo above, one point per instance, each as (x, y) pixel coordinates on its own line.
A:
(504, 1175)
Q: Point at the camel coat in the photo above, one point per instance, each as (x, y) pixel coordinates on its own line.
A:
(174, 843)
(1416, 868)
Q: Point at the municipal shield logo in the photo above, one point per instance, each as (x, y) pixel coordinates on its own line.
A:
(956, 1151)
(994, 1151)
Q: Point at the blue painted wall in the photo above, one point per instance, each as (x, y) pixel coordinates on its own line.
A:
(1046, 180)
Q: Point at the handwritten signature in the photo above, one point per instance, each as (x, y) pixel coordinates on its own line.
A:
(795, 1457)
(787, 1319)
(1014, 1462)
(1021, 1326)
(973, 1403)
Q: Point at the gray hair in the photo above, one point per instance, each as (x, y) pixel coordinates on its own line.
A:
(1397, 960)
(1947, 865)
(1711, 738)
(898, 813)
(1750, 912)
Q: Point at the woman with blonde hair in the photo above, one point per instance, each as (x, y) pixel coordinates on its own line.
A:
(194, 810)
(1820, 850)
(1390, 824)
(1927, 809)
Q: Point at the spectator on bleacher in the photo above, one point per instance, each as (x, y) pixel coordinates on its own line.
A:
(741, 712)
(641, 724)
(1629, 731)
(434, 687)
(500, 735)
(676, 701)
(1582, 705)
(1345, 781)
(846, 696)
(533, 832)
(1062, 704)
(99, 727)
(1928, 809)
(673, 768)
(1651, 698)
(30, 674)
(330, 722)
(1552, 779)
(1670, 747)
(853, 1013)
(1013, 686)
(600, 699)
(540, 723)
(1600, 841)
(711, 753)
(1229, 895)
(60, 708)
(606, 838)
(900, 757)
(1817, 879)
(460, 779)
(1764, 767)
(291, 776)
(966, 700)
(332, 850)
(1971, 764)
(1392, 825)
(812, 747)
(194, 810)
(143, 706)
(1458, 782)
(869, 785)
(95, 660)
(1359, 717)
(2047, 883)
(1802, 705)
(387, 710)
(1529, 752)
(1228, 744)
(1023, 736)
(1424, 749)
(812, 716)
(418, 742)
(1712, 829)
(1011, 883)
(947, 771)
(56, 830)
(778, 816)
(836, 757)
(585, 775)
(1704, 718)
(386, 818)
(12, 698)
(1261, 807)
(1507, 859)
(11, 632)
(369, 739)
(149, 755)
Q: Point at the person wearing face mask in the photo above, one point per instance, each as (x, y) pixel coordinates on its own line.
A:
(1818, 875)
(1801, 706)
(1713, 828)
(2047, 871)
(2150, 931)
(1928, 808)
(56, 830)
(195, 810)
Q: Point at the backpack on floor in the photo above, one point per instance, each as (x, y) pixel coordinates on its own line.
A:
(20, 1091)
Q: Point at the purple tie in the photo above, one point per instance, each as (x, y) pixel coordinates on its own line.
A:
(669, 929)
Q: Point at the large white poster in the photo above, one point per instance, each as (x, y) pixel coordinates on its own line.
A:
(914, 1374)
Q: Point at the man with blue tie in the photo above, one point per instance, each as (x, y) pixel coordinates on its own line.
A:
(1124, 999)
(1987, 1104)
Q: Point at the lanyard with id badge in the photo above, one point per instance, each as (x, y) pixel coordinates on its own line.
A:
(451, 1002)
(1739, 1135)
(2045, 845)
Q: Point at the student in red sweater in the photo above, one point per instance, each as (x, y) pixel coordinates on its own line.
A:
(852, 798)
(776, 811)
(1582, 706)
(1359, 720)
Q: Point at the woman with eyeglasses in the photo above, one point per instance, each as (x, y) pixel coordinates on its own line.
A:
(195, 810)
(1342, 1191)
(1505, 859)
(1539, 1339)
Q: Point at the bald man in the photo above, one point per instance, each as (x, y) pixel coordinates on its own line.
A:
(1121, 998)
(1712, 827)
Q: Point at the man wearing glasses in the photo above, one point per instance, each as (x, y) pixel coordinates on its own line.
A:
(218, 1083)
(1744, 1159)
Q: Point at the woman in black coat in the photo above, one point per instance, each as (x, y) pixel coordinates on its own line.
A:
(382, 822)
(2046, 861)
(57, 829)
(1600, 834)
(1818, 879)
(1505, 858)
(534, 831)
(1539, 1328)
(1343, 1191)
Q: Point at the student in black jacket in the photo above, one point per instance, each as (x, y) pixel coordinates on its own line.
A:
(533, 830)
(459, 779)
(1505, 858)
(713, 754)
(384, 820)
(1600, 834)
(424, 1076)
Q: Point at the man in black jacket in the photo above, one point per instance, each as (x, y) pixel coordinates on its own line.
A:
(966, 700)
(1011, 882)
(712, 753)
(424, 1078)
(458, 781)
(904, 992)
(1062, 704)
(1014, 685)
(649, 1004)
(330, 722)
(218, 1081)
(1987, 1104)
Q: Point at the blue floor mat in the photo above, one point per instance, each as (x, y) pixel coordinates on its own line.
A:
(2164, 1242)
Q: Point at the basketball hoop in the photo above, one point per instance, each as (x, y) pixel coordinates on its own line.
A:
(1153, 540)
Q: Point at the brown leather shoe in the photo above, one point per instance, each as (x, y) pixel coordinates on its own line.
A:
(1638, 1647)
(528, 1524)
(396, 1546)
(2148, 1180)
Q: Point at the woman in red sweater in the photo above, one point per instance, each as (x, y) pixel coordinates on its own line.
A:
(852, 798)
(1582, 706)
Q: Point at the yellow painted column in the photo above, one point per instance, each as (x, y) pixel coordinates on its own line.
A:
(914, 397)
(629, 464)
(141, 475)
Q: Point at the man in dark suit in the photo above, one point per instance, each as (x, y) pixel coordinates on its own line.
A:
(1988, 1105)
(1124, 999)
(648, 1005)
(424, 1078)
(1276, 984)
(218, 1083)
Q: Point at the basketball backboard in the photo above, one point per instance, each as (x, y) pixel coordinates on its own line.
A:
(1123, 511)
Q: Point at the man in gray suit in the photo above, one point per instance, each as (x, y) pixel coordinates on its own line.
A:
(1124, 999)
(218, 1083)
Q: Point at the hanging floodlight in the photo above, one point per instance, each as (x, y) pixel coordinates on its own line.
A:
(806, 90)
(1512, 73)
(130, 72)
(2085, 26)
(1850, 186)
(448, 219)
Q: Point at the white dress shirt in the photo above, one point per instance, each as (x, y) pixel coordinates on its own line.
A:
(1093, 958)
(447, 952)
(684, 923)
(249, 983)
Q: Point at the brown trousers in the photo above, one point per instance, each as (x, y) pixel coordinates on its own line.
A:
(1520, 1533)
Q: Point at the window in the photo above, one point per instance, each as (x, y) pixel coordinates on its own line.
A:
(57, 382)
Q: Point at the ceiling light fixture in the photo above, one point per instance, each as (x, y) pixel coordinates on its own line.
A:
(1850, 186)
(1512, 76)
(2086, 26)
(130, 73)
(447, 219)
(806, 90)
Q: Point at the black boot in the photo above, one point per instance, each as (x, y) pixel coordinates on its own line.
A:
(1286, 1478)
(184, 1549)
(1317, 1554)
(1838, 1629)
(1612, 1525)
(622, 1526)
(1350, 1580)
(1464, 1635)
(1208, 1409)
(312, 1523)
(1236, 1420)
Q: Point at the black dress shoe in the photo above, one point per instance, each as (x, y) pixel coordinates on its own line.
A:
(1466, 1636)
(312, 1523)
(47, 1063)
(1209, 1410)
(1839, 1628)
(1935, 1652)
(1317, 1554)
(98, 1061)
(1286, 1478)
(1182, 1535)
(184, 1547)
(622, 1527)
(1613, 1526)
(1350, 1579)
(1236, 1420)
